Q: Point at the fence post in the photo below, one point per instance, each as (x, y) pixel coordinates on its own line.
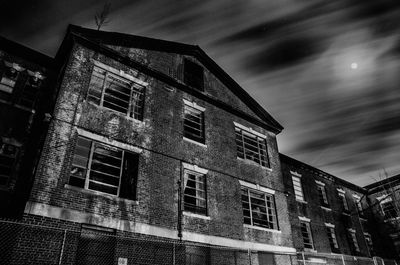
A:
(62, 247)
(344, 263)
(304, 259)
(249, 254)
(173, 253)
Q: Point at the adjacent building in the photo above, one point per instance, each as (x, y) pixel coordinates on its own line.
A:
(25, 98)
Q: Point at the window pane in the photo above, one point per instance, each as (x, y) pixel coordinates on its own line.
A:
(194, 192)
(251, 147)
(193, 124)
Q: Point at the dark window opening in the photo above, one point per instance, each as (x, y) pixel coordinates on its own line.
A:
(194, 75)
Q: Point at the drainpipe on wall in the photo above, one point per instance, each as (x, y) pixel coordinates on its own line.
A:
(180, 209)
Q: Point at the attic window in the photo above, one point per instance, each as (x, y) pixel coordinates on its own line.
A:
(193, 75)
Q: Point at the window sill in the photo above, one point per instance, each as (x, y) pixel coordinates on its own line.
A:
(345, 213)
(326, 208)
(195, 215)
(101, 194)
(262, 228)
(17, 106)
(194, 142)
(251, 162)
(301, 201)
(310, 250)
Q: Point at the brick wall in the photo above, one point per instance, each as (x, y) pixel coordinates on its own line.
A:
(311, 208)
(160, 137)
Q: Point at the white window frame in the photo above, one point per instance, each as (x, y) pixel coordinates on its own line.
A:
(123, 77)
(321, 190)
(297, 186)
(307, 224)
(196, 171)
(331, 231)
(262, 154)
(250, 188)
(343, 199)
(191, 108)
(353, 238)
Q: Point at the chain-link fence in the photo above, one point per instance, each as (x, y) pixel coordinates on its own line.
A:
(23, 243)
(339, 259)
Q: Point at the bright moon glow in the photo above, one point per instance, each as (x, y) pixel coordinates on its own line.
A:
(354, 66)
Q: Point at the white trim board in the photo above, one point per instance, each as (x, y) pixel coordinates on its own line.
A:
(46, 210)
(256, 187)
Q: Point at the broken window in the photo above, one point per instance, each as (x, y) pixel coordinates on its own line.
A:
(194, 75)
(195, 196)
(306, 234)
(115, 92)
(258, 209)
(193, 124)
(251, 147)
(104, 168)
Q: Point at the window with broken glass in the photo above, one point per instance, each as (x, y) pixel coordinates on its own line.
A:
(251, 147)
(117, 93)
(193, 124)
(104, 168)
(195, 195)
(306, 234)
(259, 209)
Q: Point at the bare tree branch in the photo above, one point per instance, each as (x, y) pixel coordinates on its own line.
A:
(101, 18)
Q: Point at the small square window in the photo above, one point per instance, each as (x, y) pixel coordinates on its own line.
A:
(193, 124)
(194, 75)
(195, 192)
(117, 93)
(259, 209)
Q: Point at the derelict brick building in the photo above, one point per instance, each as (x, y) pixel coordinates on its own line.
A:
(152, 138)
(154, 155)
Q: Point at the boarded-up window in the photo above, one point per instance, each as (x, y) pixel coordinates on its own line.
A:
(266, 258)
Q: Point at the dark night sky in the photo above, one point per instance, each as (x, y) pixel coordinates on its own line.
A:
(328, 71)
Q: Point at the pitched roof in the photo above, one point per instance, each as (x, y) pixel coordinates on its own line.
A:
(385, 184)
(133, 41)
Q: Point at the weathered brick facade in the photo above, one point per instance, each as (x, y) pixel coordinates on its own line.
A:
(243, 206)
